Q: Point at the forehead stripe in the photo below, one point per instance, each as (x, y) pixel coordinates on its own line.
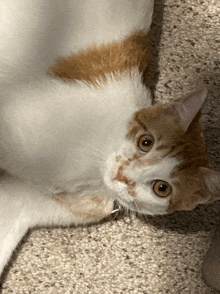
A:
(138, 120)
(161, 146)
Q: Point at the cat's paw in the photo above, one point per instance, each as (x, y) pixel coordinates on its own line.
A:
(86, 209)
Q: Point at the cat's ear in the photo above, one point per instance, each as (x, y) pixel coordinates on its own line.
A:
(188, 107)
(211, 179)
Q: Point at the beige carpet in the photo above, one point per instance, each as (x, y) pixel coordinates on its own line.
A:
(164, 254)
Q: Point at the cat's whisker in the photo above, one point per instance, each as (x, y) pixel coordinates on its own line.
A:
(139, 213)
(127, 215)
(97, 160)
(99, 155)
(117, 211)
(145, 217)
(97, 150)
(136, 206)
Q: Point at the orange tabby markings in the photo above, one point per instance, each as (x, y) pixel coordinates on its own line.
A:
(130, 184)
(91, 208)
(174, 142)
(98, 61)
(131, 189)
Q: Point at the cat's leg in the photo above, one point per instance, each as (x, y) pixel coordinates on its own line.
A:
(14, 222)
(13, 227)
(23, 206)
(86, 209)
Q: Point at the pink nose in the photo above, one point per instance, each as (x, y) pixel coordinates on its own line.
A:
(119, 176)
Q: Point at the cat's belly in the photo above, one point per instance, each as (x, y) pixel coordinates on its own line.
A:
(54, 159)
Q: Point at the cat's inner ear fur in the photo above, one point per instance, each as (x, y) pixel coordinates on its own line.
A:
(187, 108)
(211, 189)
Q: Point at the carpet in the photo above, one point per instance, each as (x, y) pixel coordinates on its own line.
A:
(136, 254)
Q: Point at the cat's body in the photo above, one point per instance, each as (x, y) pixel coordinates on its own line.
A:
(52, 132)
(74, 141)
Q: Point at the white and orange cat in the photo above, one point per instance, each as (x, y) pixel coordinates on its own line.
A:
(77, 125)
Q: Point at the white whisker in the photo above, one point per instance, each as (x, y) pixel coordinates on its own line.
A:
(136, 206)
(139, 213)
(97, 151)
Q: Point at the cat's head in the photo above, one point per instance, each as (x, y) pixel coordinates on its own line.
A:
(163, 164)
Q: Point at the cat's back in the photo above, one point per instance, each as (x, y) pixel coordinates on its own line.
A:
(34, 33)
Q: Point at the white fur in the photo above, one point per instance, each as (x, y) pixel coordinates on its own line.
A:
(49, 130)
(56, 136)
(52, 136)
(24, 206)
(34, 33)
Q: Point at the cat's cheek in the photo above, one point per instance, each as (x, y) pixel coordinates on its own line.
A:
(110, 170)
(149, 203)
(127, 150)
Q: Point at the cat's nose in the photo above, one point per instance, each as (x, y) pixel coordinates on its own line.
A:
(120, 176)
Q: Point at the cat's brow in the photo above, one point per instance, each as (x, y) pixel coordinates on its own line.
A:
(159, 138)
(138, 120)
(161, 147)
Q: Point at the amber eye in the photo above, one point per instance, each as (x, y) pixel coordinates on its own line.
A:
(145, 143)
(162, 188)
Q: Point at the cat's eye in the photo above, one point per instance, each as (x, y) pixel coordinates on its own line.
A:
(162, 188)
(145, 143)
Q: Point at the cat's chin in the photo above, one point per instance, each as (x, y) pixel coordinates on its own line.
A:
(126, 200)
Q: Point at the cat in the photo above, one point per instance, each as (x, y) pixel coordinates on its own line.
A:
(77, 125)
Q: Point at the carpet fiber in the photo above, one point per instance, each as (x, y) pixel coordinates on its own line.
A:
(137, 255)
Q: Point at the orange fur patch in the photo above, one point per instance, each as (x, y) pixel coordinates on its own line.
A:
(131, 185)
(131, 188)
(97, 61)
(87, 209)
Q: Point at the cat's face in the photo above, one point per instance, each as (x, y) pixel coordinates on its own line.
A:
(158, 169)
